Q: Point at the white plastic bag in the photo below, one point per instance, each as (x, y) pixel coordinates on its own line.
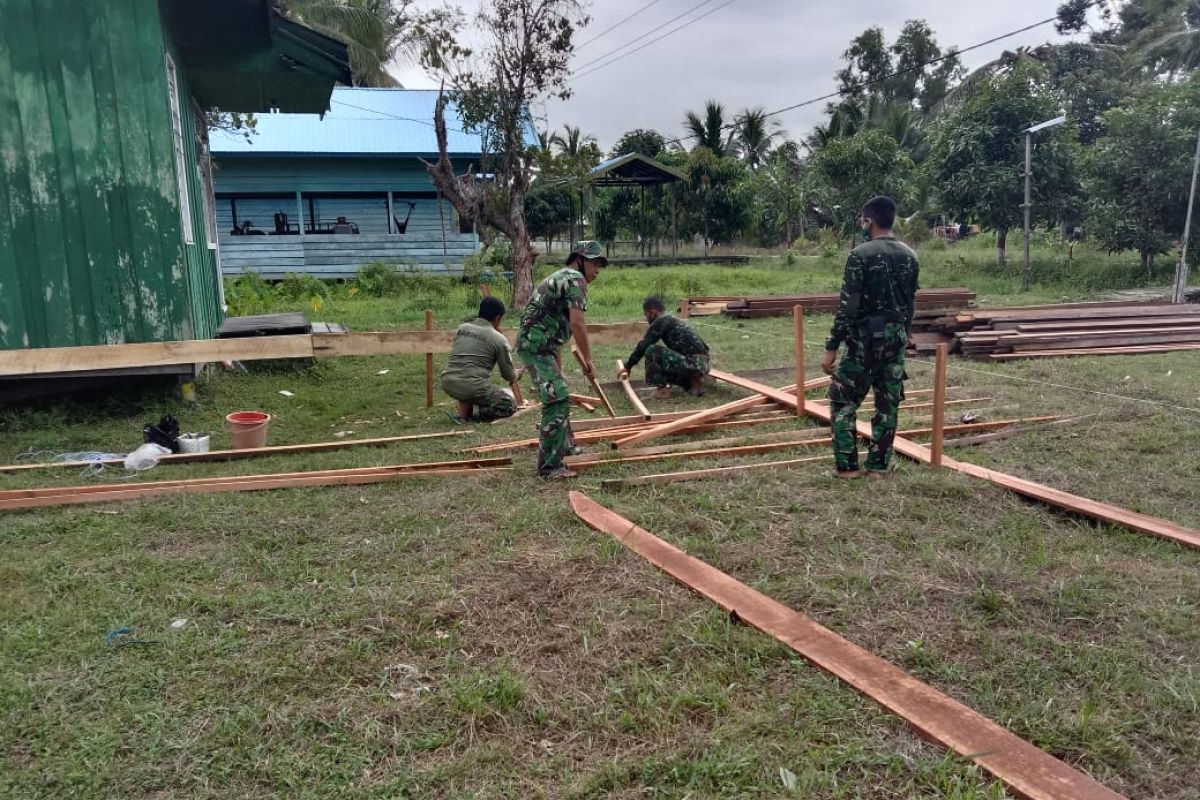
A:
(145, 457)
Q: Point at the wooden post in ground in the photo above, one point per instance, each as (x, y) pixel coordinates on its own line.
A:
(939, 405)
(485, 290)
(798, 316)
(429, 363)
(685, 308)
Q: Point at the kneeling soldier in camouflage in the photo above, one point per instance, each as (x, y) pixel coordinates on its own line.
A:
(555, 312)
(478, 347)
(682, 358)
(874, 320)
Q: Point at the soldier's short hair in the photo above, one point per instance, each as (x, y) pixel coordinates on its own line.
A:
(881, 210)
(491, 308)
(653, 302)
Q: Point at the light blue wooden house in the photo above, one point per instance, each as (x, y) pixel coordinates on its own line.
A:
(324, 195)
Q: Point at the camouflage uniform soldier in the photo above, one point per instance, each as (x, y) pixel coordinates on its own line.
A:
(555, 312)
(478, 347)
(874, 320)
(681, 359)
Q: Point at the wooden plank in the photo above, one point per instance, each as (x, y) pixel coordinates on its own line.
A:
(298, 481)
(634, 400)
(939, 404)
(232, 455)
(798, 332)
(1026, 770)
(1099, 351)
(708, 415)
(429, 362)
(633, 457)
(704, 474)
(39, 361)
(1104, 512)
(591, 378)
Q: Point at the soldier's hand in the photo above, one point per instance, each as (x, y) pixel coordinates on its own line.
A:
(827, 363)
(589, 369)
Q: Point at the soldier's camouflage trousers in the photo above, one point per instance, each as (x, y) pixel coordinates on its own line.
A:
(665, 367)
(861, 370)
(554, 436)
(490, 402)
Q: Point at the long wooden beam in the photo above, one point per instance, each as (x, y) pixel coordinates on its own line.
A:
(713, 472)
(634, 400)
(21, 499)
(707, 415)
(253, 452)
(1104, 512)
(47, 360)
(1026, 770)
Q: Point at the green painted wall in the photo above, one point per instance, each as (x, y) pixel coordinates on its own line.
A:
(91, 244)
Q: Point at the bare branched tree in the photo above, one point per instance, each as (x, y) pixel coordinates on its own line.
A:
(524, 61)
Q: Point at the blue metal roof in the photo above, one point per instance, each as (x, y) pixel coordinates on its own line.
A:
(360, 122)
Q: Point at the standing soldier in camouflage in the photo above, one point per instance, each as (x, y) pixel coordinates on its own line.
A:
(874, 320)
(682, 358)
(555, 312)
(478, 347)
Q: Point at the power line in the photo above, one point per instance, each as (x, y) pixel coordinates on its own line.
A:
(644, 35)
(612, 28)
(896, 74)
(653, 41)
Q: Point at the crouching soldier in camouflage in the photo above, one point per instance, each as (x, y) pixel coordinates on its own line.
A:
(874, 319)
(682, 358)
(478, 347)
(555, 312)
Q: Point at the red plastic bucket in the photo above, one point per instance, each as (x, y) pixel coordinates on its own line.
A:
(247, 429)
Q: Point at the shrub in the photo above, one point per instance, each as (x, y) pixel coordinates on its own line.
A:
(378, 279)
(302, 286)
(248, 295)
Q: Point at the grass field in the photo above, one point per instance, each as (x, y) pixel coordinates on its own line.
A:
(437, 638)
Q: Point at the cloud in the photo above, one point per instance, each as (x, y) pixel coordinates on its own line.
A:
(771, 53)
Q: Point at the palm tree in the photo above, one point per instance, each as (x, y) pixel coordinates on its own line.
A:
(573, 143)
(755, 135)
(376, 31)
(1173, 44)
(711, 131)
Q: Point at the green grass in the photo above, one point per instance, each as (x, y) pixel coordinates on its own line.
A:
(471, 639)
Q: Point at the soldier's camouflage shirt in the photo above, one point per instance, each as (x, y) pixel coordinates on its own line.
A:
(880, 280)
(674, 333)
(545, 323)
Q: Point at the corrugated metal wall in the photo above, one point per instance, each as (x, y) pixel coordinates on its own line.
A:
(91, 250)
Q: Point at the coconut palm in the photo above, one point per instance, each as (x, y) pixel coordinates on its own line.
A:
(573, 143)
(1173, 44)
(755, 134)
(711, 130)
(377, 32)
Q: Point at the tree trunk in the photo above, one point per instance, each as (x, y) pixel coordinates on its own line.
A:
(1001, 247)
(522, 257)
(1148, 263)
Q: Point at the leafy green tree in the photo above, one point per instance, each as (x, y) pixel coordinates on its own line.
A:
(716, 203)
(977, 156)
(647, 142)
(899, 73)
(852, 170)
(549, 210)
(780, 195)
(1139, 174)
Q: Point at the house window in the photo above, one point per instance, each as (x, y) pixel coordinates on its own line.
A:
(185, 203)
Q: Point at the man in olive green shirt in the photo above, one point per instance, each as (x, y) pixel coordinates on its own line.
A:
(478, 347)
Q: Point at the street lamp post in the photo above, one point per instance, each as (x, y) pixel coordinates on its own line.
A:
(1029, 191)
(1179, 294)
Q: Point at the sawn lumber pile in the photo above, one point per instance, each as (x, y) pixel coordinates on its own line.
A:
(1063, 330)
(782, 305)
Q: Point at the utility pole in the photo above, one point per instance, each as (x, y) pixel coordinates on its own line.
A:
(1025, 269)
(1181, 271)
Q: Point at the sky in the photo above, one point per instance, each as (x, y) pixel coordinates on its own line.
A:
(747, 53)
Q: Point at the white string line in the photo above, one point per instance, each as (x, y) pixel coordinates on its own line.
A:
(960, 368)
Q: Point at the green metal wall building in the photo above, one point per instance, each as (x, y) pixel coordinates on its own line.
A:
(107, 228)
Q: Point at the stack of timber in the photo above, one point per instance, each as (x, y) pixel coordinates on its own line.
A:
(783, 305)
(1064, 330)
